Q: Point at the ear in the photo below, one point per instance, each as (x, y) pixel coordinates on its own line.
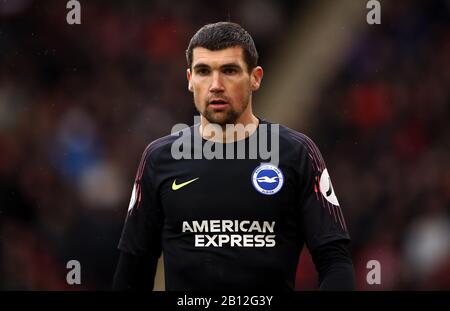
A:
(188, 76)
(256, 77)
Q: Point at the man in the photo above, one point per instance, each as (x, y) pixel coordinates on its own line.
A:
(234, 223)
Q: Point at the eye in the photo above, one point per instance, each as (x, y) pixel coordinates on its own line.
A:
(202, 71)
(229, 71)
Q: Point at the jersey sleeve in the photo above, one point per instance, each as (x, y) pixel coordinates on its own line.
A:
(141, 234)
(321, 217)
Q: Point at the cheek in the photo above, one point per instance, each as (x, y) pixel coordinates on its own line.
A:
(199, 96)
(241, 92)
(199, 89)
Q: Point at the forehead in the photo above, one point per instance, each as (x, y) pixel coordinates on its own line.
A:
(233, 54)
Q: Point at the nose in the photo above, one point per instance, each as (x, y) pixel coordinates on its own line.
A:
(216, 83)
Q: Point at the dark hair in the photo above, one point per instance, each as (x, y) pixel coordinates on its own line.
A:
(223, 35)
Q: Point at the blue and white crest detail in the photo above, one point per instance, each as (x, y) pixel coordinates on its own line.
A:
(267, 179)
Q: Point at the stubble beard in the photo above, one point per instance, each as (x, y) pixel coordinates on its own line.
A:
(224, 117)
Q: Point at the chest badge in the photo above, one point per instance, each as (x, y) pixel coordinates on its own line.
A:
(267, 179)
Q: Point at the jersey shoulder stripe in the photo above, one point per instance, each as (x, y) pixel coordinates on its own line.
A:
(308, 144)
(150, 150)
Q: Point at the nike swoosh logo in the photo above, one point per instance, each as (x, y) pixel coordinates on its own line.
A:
(176, 187)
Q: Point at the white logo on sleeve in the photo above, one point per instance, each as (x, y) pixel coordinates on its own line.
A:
(326, 188)
(133, 198)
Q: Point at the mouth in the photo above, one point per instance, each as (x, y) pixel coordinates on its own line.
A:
(217, 103)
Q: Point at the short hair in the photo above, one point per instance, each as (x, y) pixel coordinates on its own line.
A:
(222, 35)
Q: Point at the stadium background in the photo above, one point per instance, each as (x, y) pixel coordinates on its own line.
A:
(78, 105)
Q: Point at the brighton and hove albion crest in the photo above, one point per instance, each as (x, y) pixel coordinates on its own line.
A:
(267, 179)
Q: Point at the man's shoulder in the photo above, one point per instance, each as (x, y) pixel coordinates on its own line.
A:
(161, 146)
(294, 138)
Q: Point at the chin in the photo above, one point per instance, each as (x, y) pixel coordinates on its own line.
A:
(223, 119)
(219, 121)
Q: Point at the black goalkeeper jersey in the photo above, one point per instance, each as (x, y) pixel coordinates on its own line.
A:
(231, 223)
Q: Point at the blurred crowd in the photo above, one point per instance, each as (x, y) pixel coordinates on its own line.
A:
(383, 124)
(78, 105)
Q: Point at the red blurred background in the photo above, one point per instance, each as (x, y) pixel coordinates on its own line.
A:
(79, 103)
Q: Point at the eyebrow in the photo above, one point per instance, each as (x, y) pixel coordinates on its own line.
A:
(227, 65)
